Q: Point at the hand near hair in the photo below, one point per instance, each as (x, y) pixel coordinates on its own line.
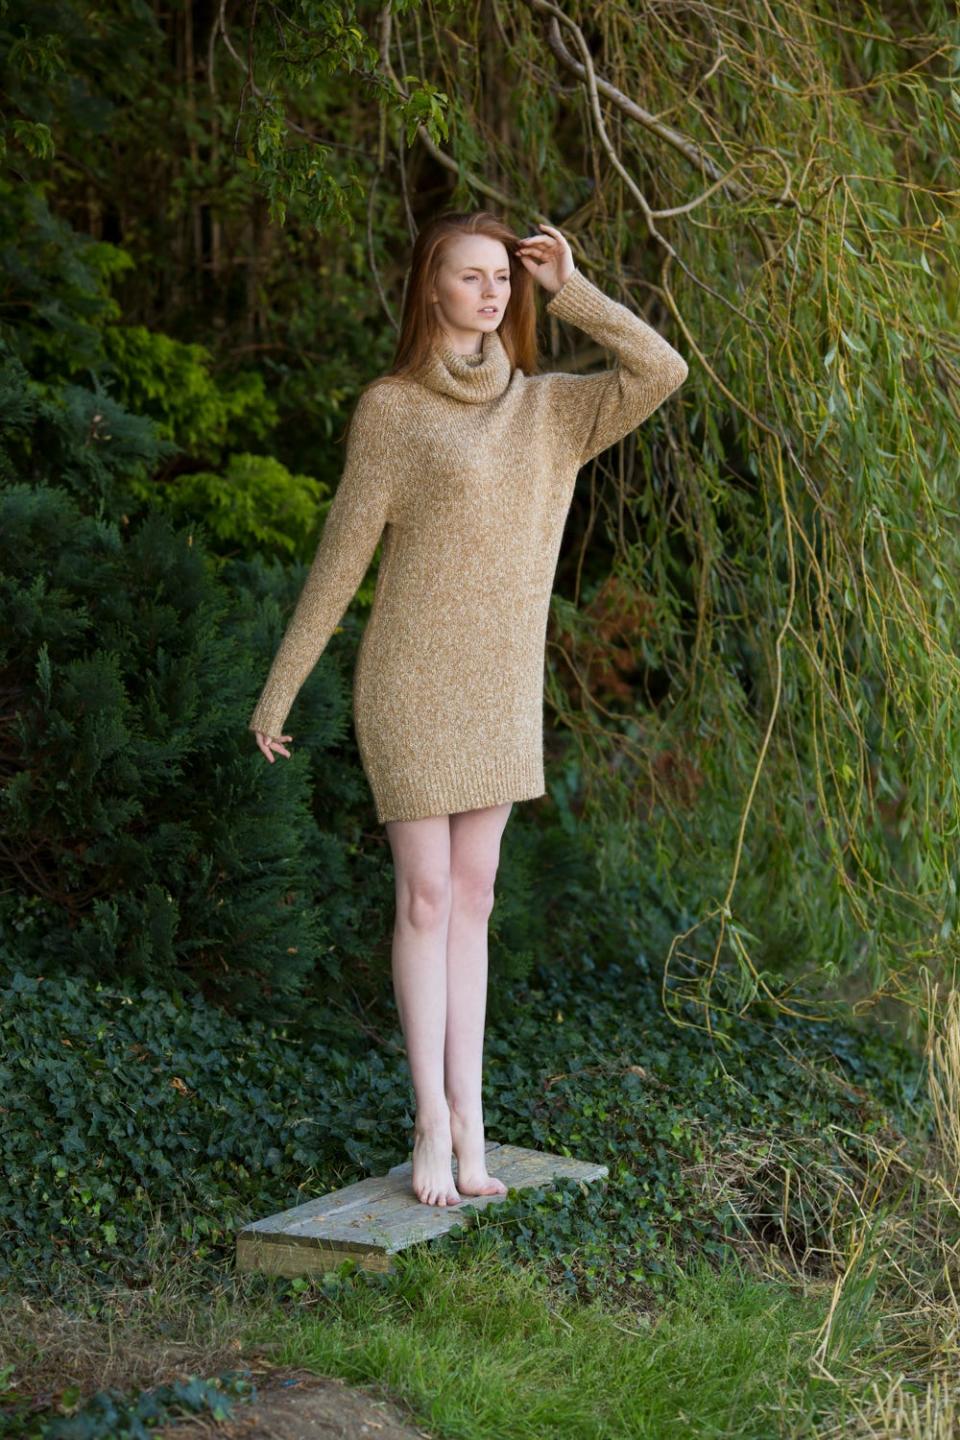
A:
(548, 258)
(268, 744)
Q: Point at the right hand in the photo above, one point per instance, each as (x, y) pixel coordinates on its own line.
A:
(268, 744)
(548, 258)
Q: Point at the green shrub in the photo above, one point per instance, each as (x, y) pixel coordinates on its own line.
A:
(127, 1102)
(172, 383)
(145, 833)
(255, 507)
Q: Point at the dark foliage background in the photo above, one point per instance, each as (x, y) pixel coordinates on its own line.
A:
(751, 673)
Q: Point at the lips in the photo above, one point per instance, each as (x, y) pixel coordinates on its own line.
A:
(488, 310)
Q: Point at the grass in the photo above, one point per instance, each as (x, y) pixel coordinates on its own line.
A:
(482, 1354)
(468, 1351)
(857, 1335)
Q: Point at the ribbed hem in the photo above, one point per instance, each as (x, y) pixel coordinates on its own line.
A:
(447, 788)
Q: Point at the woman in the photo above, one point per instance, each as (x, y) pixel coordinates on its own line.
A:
(464, 459)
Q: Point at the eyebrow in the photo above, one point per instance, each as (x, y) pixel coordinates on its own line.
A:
(499, 268)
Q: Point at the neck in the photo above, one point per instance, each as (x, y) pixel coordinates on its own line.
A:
(459, 344)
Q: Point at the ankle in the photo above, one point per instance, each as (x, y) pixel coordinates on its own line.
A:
(432, 1121)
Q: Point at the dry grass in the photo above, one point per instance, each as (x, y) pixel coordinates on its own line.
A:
(879, 1238)
(913, 1384)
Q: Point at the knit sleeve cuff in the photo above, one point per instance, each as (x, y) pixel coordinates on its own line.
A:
(270, 714)
(578, 300)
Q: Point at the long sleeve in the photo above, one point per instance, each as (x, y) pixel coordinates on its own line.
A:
(358, 512)
(594, 411)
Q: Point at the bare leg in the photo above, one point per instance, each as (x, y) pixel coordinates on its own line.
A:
(474, 856)
(421, 856)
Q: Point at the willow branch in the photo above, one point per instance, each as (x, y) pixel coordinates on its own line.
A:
(684, 146)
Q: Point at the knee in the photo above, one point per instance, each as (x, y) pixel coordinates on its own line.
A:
(424, 901)
(473, 891)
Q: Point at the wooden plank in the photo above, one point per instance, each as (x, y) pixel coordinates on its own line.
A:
(370, 1220)
(279, 1259)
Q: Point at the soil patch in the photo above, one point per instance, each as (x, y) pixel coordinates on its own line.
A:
(297, 1405)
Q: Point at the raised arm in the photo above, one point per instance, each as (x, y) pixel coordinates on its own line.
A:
(360, 508)
(595, 411)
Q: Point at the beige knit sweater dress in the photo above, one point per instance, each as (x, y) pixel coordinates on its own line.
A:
(467, 472)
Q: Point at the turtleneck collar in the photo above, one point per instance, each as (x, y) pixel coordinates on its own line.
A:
(468, 377)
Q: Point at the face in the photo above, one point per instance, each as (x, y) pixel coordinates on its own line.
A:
(472, 288)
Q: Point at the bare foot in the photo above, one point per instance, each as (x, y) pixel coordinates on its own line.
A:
(433, 1182)
(472, 1178)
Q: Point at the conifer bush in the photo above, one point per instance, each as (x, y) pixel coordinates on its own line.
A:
(142, 830)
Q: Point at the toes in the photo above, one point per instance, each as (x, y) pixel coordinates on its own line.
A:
(428, 1196)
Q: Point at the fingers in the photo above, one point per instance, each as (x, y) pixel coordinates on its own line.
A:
(537, 251)
(269, 743)
(543, 243)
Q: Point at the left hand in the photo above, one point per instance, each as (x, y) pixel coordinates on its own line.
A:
(548, 258)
